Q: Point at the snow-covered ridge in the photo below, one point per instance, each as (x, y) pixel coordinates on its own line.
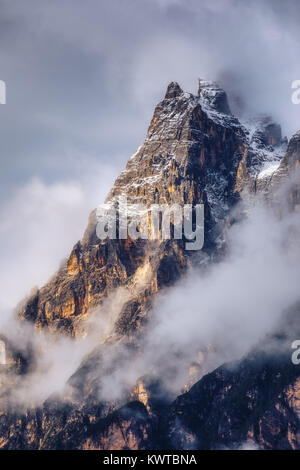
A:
(267, 153)
(262, 134)
(266, 145)
(213, 101)
(169, 137)
(268, 169)
(212, 96)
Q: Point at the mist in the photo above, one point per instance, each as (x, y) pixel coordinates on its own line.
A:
(38, 227)
(79, 98)
(219, 314)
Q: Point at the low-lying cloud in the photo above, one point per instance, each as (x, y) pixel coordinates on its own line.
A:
(40, 224)
(220, 313)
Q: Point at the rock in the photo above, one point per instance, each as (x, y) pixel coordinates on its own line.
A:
(213, 96)
(173, 91)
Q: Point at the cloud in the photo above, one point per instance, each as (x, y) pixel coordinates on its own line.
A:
(40, 224)
(38, 227)
(217, 314)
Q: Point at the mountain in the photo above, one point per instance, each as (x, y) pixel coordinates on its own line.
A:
(195, 152)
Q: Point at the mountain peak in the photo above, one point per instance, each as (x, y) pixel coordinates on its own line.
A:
(212, 95)
(173, 91)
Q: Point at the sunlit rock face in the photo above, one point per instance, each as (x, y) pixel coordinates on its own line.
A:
(188, 157)
(195, 152)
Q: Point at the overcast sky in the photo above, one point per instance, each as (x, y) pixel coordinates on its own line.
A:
(82, 80)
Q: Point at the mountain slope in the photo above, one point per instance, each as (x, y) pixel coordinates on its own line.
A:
(193, 153)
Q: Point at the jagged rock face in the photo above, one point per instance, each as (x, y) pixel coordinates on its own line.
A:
(83, 283)
(255, 402)
(263, 156)
(195, 152)
(187, 158)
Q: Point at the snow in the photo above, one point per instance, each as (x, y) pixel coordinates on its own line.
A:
(208, 93)
(268, 158)
(268, 169)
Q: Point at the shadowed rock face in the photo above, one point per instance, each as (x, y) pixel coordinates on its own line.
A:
(214, 96)
(255, 402)
(195, 152)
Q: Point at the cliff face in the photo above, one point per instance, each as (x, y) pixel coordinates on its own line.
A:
(195, 152)
(187, 157)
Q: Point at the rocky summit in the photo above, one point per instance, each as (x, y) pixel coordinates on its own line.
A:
(195, 152)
